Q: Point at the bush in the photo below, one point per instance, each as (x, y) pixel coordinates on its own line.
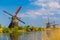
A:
(15, 29)
(20, 28)
(0, 26)
(6, 30)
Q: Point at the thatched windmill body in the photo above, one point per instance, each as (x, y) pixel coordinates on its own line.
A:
(14, 19)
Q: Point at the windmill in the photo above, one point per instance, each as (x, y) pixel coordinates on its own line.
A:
(14, 19)
(54, 25)
(48, 23)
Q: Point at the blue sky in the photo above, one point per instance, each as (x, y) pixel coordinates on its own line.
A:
(33, 12)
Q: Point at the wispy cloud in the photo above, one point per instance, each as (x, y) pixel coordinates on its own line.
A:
(45, 3)
(49, 7)
(36, 13)
(51, 18)
(30, 13)
(54, 4)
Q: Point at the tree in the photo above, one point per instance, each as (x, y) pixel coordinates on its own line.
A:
(39, 29)
(0, 26)
(20, 28)
(15, 29)
(28, 28)
(6, 30)
(32, 28)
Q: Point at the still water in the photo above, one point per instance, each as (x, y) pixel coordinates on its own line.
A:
(21, 36)
(44, 35)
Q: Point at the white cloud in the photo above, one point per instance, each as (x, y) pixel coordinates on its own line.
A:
(36, 13)
(44, 17)
(38, 3)
(21, 15)
(50, 18)
(30, 13)
(54, 4)
(47, 3)
(48, 6)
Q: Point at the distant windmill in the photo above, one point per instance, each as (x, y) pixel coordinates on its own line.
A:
(48, 23)
(54, 25)
(15, 19)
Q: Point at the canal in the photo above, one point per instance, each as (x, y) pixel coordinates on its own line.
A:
(43, 35)
(21, 36)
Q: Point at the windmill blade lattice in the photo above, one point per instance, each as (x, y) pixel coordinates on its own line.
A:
(7, 13)
(17, 10)
(21, 21)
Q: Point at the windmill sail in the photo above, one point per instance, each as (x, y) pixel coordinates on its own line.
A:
(21, 21)
(17, 10)
(7, 13)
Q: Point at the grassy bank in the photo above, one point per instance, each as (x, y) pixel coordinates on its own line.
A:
(7, 30)
(20, 29)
